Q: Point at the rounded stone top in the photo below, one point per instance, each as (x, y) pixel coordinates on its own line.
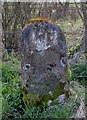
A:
(44, 33)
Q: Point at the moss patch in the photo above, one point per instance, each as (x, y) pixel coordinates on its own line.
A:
(36, 99)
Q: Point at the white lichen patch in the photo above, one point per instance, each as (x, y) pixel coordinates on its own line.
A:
(50, 93)
(43, 43)
(49, 102)
(33, 35)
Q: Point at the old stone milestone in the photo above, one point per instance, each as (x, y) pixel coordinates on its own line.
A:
(43, 55)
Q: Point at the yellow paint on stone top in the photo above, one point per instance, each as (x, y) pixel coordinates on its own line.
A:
(41, 20)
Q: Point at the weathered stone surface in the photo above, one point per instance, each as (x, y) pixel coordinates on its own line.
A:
(43, 54)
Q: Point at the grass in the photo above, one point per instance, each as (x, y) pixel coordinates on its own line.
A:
(0, 100)
(12, 100)
(79, 73)
(11, 90)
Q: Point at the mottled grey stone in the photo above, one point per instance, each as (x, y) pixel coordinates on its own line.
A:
(43, 55)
